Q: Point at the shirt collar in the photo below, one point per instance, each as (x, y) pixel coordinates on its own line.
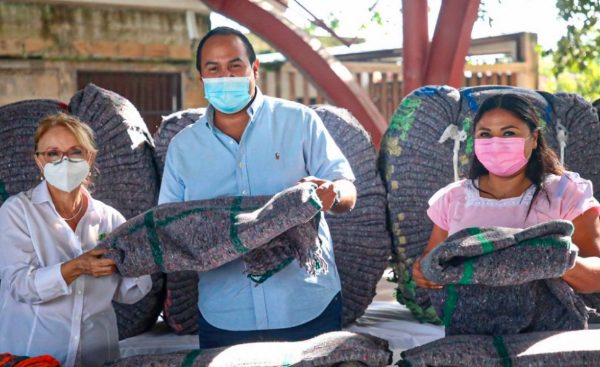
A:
(251, 110)
(40, 194)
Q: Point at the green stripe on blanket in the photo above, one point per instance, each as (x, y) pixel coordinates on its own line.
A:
(559, 243)
(502, 351)
(3, 193)
(191, 357)
(233, 234)
(153, 239)
(261, 278)
(486, 245)
(467, 277)
(450, 305)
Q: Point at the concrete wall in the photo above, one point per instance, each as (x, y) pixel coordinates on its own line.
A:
(42, 46)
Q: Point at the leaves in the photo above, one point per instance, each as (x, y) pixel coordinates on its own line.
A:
(580, 46)
(586, 83)
(376, 18)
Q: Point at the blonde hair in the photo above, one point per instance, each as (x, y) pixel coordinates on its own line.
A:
(83, 132)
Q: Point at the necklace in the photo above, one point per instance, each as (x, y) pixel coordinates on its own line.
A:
(76, 213)
(515, 191)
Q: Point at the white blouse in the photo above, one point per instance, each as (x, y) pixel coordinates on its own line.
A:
(39, 312)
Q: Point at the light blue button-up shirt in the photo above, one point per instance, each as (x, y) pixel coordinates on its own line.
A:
(282, 143)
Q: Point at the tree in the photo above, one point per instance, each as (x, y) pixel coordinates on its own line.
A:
(580, 47)
(586, 83)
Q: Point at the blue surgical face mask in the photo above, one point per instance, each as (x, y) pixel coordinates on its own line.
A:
(228, 95)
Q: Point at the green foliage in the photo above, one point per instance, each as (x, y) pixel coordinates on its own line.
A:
(579, 49)
(334, 22)
(311, 28)
(586, 82)
(376, 18)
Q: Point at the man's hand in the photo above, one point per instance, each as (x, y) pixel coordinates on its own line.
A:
(325, 191)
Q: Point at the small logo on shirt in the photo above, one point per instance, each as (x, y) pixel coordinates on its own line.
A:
(277, 155)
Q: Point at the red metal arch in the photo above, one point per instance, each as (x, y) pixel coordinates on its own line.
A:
(330, 76)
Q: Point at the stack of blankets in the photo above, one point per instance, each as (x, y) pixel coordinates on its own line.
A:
(503, 302)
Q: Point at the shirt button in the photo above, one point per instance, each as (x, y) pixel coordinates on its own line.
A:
(240, 164)
(243, 192)
(79, 293)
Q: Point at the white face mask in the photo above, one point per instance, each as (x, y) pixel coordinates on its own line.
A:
(66, 175)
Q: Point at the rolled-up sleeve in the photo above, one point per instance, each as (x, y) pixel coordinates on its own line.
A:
(323, 156)
(576, 196)
(171, 187)
(439, 207)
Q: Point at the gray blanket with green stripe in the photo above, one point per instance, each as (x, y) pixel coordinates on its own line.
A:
(337, 348)
(500, 281)
(269, 232)
(548, 348)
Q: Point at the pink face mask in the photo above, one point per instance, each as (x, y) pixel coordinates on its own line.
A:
(501, 156)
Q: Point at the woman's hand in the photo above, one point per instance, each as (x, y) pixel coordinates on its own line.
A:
(584, 277)
(88, 263)
(420, 278)
(438, 235)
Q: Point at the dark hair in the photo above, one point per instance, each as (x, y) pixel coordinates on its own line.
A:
(224, 31)
(542, 161)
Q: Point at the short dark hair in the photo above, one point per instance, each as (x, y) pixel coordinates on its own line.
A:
(543, 160)
(224, 31)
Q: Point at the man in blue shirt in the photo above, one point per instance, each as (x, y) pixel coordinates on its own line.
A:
(251, 144)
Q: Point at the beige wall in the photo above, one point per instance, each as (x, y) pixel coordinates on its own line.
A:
(33, 79)
(42, 46)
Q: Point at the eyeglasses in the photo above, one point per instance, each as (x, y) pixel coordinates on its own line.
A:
(74, 154)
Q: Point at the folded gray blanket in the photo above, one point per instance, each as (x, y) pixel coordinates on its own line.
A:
(330, 349)
(203, 235)
(500, 281)
(541, 349)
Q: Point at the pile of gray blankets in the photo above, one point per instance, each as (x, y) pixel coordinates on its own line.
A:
(504, 285)
(500, 281)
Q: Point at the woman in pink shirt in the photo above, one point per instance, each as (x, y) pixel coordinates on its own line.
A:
(517, 181)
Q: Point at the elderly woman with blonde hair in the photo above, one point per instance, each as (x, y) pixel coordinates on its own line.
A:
(56, 289)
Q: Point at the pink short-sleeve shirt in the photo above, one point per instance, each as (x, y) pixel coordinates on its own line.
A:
(459, 205)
